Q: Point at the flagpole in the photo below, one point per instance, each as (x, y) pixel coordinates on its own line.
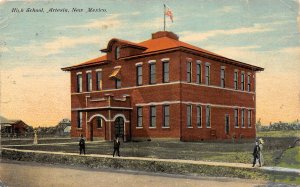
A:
(164, 17)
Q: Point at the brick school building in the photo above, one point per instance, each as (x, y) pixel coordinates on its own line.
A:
(162, 88)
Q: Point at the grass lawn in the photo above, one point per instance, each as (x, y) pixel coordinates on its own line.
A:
(291, 158)
(30, 141)
(240, 152)
(279, 134)
(208, 151)
(275, 143)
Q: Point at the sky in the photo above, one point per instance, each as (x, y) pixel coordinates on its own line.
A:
(34, 46)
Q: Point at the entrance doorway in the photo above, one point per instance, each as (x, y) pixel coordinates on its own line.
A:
(119, 127)
(227, 124)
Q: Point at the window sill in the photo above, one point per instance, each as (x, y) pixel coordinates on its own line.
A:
(236, 127)
(199, 127)
(138, 127)
(208, 127)
(99, 128)
(165, 127)
(79, 128)
(152, 127)
(189, 127)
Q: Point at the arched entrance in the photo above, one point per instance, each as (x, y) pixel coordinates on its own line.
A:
(119, 127)
(95, 124)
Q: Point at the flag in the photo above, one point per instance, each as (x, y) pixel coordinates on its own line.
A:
(168, 12)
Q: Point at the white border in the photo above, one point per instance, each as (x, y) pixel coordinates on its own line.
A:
(164, 84)
(139, 64)
(151, 61)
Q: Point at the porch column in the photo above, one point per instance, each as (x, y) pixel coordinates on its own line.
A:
(109, 125)
(86, 127)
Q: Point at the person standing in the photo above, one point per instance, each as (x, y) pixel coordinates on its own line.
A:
(35, 139)
(116, 146)
(260, 144)
(256, 154)
(82, 145)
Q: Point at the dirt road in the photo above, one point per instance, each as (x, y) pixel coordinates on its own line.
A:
(14, 173)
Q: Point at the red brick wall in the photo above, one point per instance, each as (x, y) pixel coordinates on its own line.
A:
(171, 92)
(217, 124)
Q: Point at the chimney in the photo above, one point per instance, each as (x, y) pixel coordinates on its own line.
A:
(161, 34)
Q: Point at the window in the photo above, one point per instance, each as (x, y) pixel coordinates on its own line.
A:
(79, 120)
(198, 81)
(79, 83)
(208, 116)
(139, 116)
(117, 83)
(243, 117)
(89, 82)
(248, 83)
(189, 72)
(207, 74)
(152, 116)
(139, 75)
(99, 80)
(165, 71)
(166, 118)
(223, 78)
(152, 74)
(235, 80)
(249, 118)
(117, 53)
(236, 117)
(199, 116)
(99, 122)
(242, 81)
(189, 115)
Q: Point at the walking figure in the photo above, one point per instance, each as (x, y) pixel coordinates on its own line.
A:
(256, 154)
(116, 146)
(82, 145)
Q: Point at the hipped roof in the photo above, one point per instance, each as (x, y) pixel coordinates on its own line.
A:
(159, 45)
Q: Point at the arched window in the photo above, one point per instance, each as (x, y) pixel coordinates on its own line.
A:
(117, 53)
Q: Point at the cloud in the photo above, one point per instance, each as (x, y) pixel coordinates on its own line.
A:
(227, 9)
(109, 22)
(3, 49)
(135, 13)
(57, 45)
(290, 51)
(196, 36)
(61, 43)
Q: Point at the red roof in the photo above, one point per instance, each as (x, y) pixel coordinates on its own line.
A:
(99, 60)
(163, 43)
(163, 40)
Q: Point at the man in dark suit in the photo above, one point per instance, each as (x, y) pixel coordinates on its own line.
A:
(256, 154)
(82, 145)
(116, 146)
